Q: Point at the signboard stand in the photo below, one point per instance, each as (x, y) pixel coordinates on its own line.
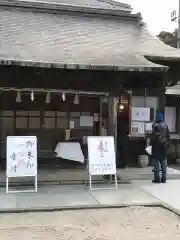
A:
(21, 160)
(101, 160)
(104, 188)
(19, 191)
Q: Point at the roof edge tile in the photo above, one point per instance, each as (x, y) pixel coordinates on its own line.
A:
(73, 8)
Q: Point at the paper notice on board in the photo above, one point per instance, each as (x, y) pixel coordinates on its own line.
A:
(137, 127)
(71, 124)
(140, 114)
(86, 121)
(149, 126)
(96, 117)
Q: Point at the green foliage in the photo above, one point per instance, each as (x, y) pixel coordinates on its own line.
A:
(168, 38)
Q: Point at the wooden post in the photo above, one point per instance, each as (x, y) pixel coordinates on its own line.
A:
(130, 110)
(112, 117)
(162, 96)
(100, 116)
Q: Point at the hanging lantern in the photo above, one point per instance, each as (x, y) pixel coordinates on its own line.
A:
(32, 96)
(48, 98)
(121, 107)
(76, 99)
(18, 97)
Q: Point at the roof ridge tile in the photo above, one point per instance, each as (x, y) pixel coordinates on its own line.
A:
(102, 4)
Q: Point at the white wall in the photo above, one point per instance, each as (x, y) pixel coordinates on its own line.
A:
(170, 118)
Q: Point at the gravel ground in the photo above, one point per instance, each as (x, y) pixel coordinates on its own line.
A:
(135, 223)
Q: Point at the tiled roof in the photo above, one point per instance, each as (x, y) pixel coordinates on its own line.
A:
(81, 3)
(151, 47)
(174, 90)
(77, 40)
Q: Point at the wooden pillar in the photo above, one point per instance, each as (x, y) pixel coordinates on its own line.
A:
(162, 96)
(130, 110)
(112, 117)
(178, 120)
(162, 101)
(100, 115)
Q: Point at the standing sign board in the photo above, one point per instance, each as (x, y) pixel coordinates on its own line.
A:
(21, 159)
(101, 157)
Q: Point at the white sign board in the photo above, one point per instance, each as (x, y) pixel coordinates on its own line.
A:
(101, 154)
(21, 156)
(140, 114)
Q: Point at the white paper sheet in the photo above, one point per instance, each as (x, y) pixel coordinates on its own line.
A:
(86, 121)
(137, 127)
(149, 150)
(69, 151)
(140, 114)
(71, 124)
(149, 126)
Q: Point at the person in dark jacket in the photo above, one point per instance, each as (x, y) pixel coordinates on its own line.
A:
(160, 143)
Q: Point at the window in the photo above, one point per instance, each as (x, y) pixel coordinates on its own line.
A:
(49, 122)
(21, 122)
(34, 120)
(61, 120)
(62, 123)
(21, 119)
(49, 119)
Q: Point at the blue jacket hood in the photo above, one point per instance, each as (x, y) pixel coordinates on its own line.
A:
(159, 116)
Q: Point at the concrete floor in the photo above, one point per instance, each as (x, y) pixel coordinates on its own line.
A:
(135, 173)
(79, 196)
(168, 193)
(57, 197)
(79, 176)
(134, 192)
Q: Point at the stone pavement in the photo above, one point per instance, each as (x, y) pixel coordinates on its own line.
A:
(53, 197)
(57, 197)
(168, 194)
